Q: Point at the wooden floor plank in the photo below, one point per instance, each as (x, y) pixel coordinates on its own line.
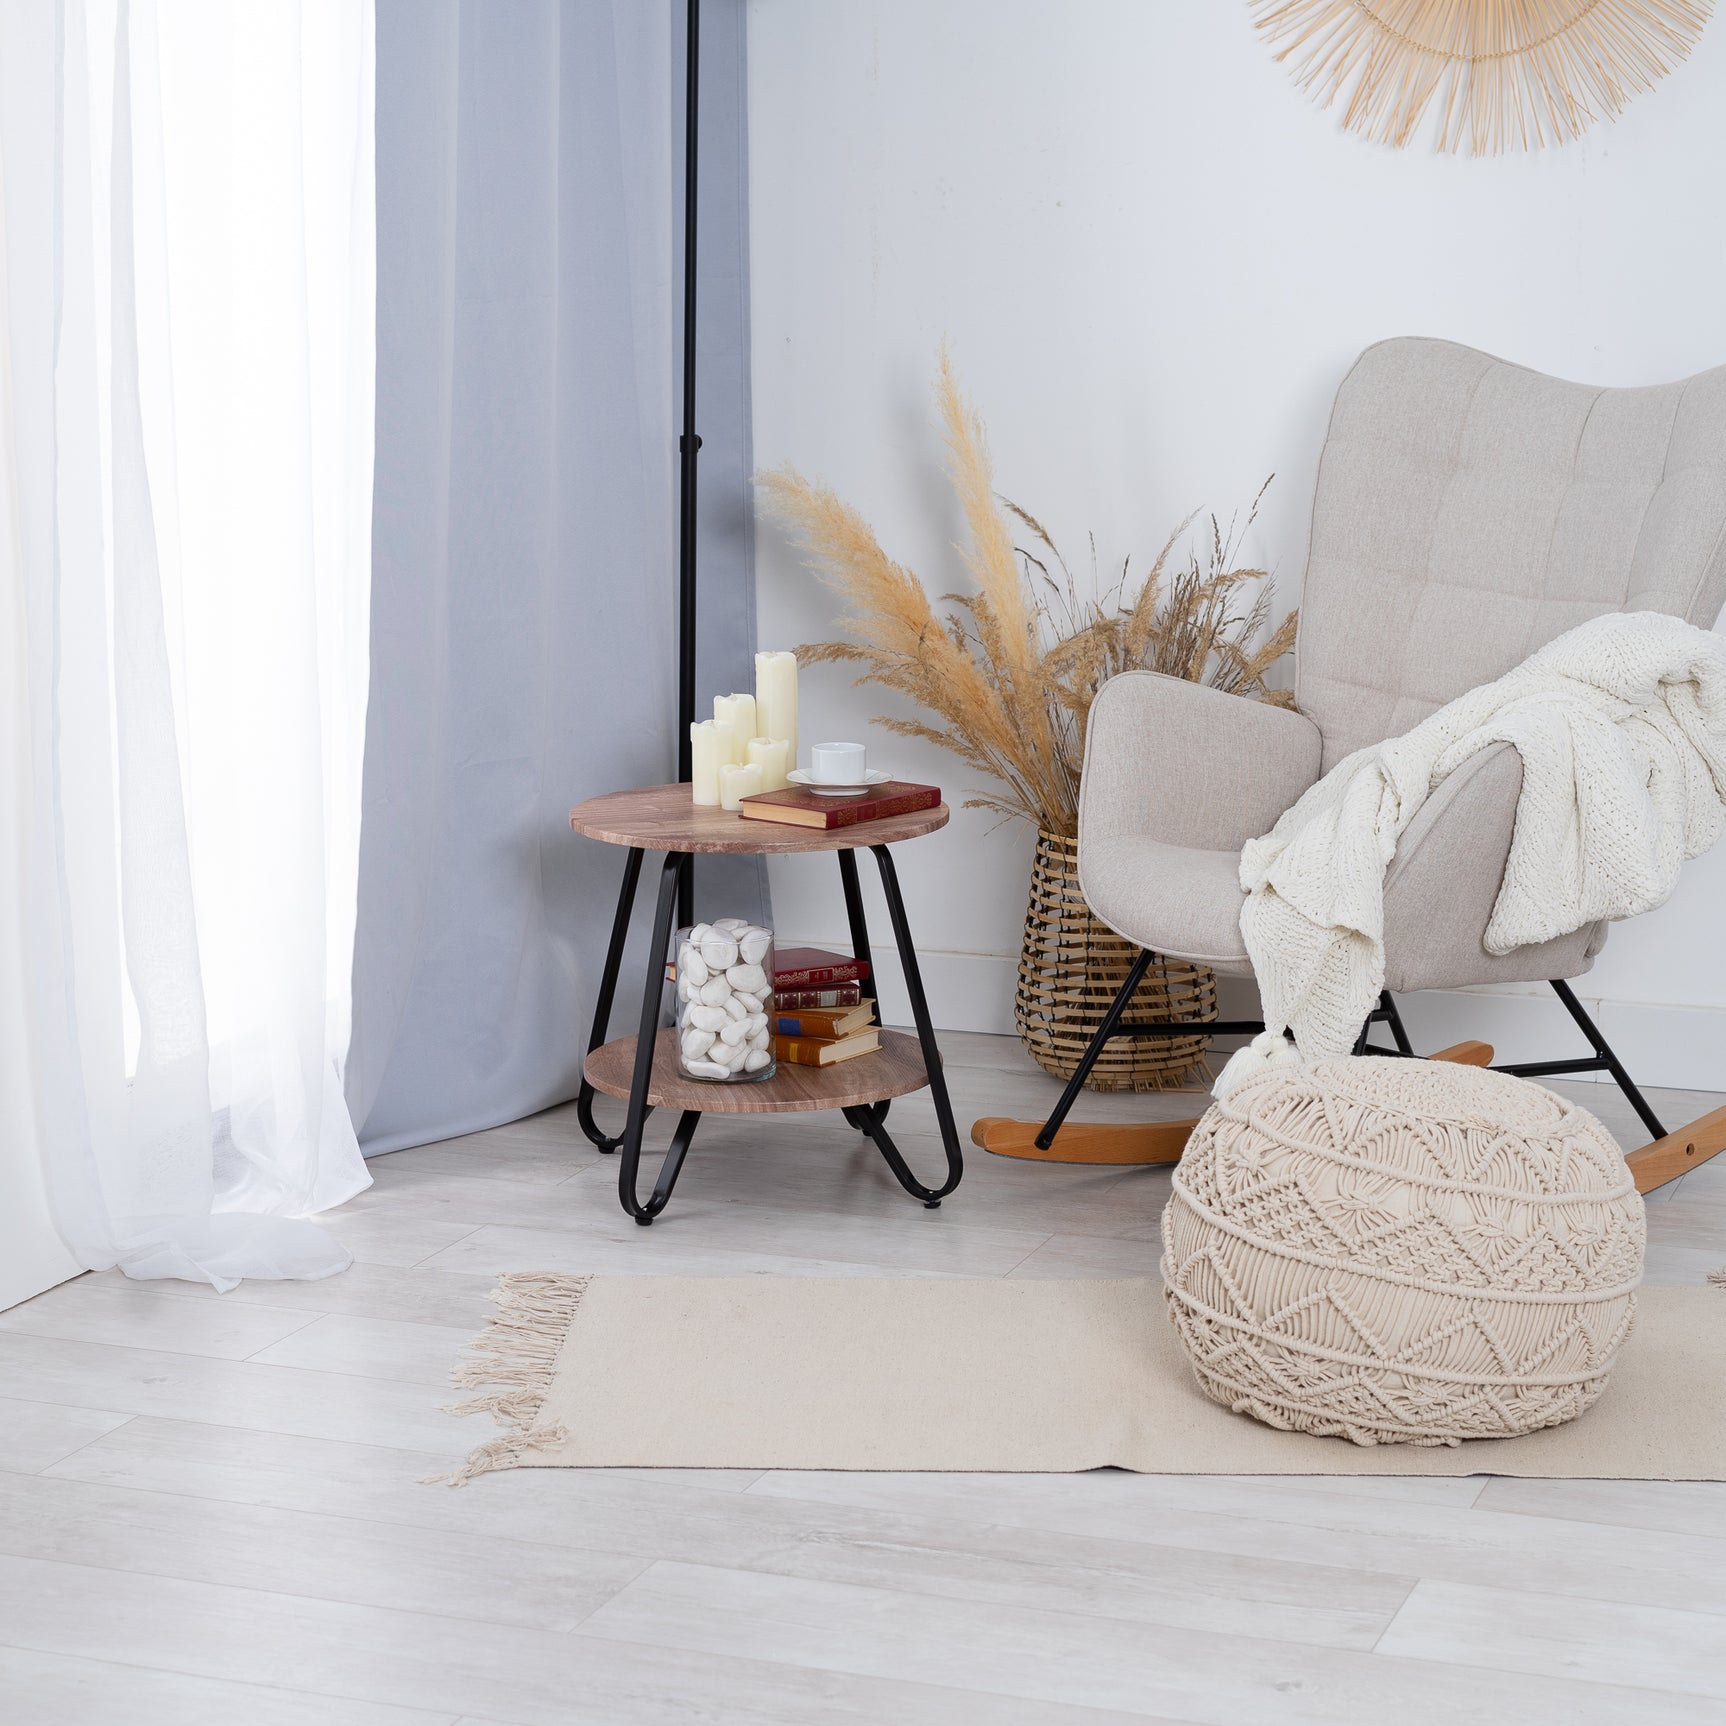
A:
(488, 1578)
(34, 1435)
(1017, 1651)
(1645, 1648)
(400, 1659)
(138, 1315)
(634, 1514)
(66, 1690)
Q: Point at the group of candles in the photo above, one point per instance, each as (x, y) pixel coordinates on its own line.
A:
(750, 743)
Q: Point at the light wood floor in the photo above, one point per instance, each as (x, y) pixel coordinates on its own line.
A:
(210, 1509)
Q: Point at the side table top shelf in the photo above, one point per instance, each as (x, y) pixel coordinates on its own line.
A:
(891, 1071)
(664, 818)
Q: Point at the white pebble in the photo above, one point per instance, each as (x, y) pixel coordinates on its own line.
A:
(719, 951)
(698, 934)
(693, 966)
(715, 992)
(753, 945)
(685, 989)
(708, 1070)
(750, 979)
(755, 1060)
(707, 1018)
(732, 1054)
(734, 1033)
(751, 1003)
(756, 1022)
(696, 1043)
(730, 924)
(735, 1008)
(759, 1039)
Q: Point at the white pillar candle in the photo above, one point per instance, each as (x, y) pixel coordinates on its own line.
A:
(737, 714)
(773, 756)
(707, 749)
(776, 698)
(736, 783)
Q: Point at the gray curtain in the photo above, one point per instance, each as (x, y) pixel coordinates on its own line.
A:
(529, 168)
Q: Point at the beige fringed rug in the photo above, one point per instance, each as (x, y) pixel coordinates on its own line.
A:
(990, 1377)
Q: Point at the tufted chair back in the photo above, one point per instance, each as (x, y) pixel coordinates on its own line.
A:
(1468, 511)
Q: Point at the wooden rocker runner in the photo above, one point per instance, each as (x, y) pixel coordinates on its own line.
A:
(1432, 448)
(1056, 1140)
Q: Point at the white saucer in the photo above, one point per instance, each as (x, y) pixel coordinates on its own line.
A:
(800, 776)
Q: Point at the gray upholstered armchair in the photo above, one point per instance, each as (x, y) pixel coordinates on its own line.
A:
(1467, 512)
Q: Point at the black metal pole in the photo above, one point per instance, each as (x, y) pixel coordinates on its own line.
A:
(688, 444)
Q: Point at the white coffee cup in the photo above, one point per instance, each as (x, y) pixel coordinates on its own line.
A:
(838, 763)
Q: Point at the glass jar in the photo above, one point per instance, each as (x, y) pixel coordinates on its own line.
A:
(724, 972)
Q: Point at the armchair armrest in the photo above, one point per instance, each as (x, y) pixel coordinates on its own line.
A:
(1189, 765)
(1442, 885)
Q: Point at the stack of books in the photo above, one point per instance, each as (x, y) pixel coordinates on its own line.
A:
(820, 1014)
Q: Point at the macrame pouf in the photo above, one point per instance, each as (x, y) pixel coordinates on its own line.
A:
(1402, 1251)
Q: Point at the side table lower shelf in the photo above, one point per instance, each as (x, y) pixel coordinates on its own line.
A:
(866, 1079)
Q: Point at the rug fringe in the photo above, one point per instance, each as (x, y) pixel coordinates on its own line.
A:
(1719, 1276)
(519, 1347)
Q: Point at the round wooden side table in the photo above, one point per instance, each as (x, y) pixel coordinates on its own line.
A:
(643, 1068)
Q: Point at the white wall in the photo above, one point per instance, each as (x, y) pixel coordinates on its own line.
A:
(1154, 259)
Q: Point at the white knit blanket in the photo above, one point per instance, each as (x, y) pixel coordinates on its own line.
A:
(1621, 726)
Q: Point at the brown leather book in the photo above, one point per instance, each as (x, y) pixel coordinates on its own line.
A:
(824, 1051)
(825, 1021)
(800, 807)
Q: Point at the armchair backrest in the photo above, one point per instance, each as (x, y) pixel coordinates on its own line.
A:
(1468, 511)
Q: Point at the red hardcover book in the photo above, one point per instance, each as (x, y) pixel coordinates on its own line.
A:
(804, 808)
(814, 968)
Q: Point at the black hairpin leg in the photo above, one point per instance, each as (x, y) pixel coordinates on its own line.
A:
(931, 1196)
(860, 949)
(854, 917)
(646, 1036)
(669, 1170)
(1135, 975)
(602, 1007)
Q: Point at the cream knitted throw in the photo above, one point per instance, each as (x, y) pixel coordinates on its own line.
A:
(1621, 726)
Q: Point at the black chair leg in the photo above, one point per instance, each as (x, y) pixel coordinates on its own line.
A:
(1385, 1012)
(1398, 1032)
(1603, 1060)
(1098, 1043)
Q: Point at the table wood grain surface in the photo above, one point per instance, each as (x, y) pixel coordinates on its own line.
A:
(663, 818)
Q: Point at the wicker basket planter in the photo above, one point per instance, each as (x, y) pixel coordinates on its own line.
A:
(1070, 968)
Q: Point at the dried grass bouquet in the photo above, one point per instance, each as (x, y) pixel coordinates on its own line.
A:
(1010, 671)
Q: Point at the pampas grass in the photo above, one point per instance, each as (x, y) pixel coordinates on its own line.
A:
(1008, 672)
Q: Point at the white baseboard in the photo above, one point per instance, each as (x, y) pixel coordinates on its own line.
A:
(1682, 1047)
(966, 991)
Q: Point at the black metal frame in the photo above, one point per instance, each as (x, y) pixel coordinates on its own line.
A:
(868, 1118)
(1603, 1060)
(688, 444)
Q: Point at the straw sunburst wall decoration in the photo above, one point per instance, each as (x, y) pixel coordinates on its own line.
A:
(1494, 74)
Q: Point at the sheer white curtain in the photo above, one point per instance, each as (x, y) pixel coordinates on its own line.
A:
(188, 237)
